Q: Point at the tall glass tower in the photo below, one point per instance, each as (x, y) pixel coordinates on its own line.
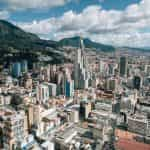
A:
(16, 69)
(123, 66)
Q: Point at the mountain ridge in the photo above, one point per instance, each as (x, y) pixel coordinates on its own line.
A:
(13, 36)
(74, 41)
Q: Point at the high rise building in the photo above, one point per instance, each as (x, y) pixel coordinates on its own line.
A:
(137, 82)
(28, 82)
(30, 116)
(111, 84)
(116, 106)
(80, 68)
(123, 66)
(16, 69)
(69, 88)
(52, 89)
(15, 130)
(24, 66)
(147, 69)
(42, 92)
(101, 66)
(53, 71)
(61, 78)
(85, 109)
(75, 116)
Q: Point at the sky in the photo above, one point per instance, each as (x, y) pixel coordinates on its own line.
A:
(114, 22)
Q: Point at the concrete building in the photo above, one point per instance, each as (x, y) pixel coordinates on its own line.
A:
(74, 116)
(80, 68)
(138, 124)
(85, 109)
(52, 89)
(15, 128)
(69, 88)
(24, 66)
(42, 93)
(137, 82)
(48, 145)
(111, 84)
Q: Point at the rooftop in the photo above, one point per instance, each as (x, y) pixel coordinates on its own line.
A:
(126, 141)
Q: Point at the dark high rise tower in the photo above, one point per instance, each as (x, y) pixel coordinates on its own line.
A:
(123, 66)
(137, 82)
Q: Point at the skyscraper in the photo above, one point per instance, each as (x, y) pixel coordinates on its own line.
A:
(69, 88)
(16, 69)
(24, 66)
(80, 68)
(137, 82)
(42, 92)
(123, 66)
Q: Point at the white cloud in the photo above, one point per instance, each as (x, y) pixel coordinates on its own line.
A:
(107, 26)
(29, 4)
(101, 1)
(42, 27)
(4, 14)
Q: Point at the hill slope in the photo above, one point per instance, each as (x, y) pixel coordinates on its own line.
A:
(17, 44)
(74, 41)
(12, 36)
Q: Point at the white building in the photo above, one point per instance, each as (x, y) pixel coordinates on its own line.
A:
(42, 93)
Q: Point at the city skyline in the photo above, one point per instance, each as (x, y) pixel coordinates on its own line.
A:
(93, 101)
(74, 75)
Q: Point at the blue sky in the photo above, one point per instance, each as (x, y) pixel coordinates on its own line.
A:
(116, 22)
(75, 5)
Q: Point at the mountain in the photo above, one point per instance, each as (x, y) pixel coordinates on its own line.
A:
(140, 49)
(17, 44)
(74, 42)
(13, 36)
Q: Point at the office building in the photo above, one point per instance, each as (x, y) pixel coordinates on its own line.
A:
(137, 82)
(69, 88)
(15, 129)
(52, 88)
(24, 66)
(42, 92)
(111, 84)
(28, 82)
(138, 124)
(80, 68)
(85, 109)
(74, 116)
(16, 69)
(123, 66)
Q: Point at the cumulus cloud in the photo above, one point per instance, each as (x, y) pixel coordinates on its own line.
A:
(122, 28)
(4, 14)
(29, 4)
(101, 1)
